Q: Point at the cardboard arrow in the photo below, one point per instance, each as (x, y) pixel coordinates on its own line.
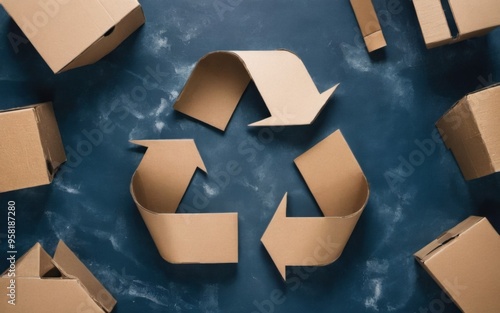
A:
(157, 187)
(341, 190)
(220, 78)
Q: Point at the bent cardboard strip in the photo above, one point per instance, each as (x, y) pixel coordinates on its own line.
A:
(59, 285)
(31, 149)
(157, 187)
(341, 190)
(471, 128)
(472, 18)
(70, 34)
(369, 24)
(218, 81)
(464, 262)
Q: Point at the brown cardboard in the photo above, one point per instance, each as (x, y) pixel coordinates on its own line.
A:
(219, 79)
(157, 187)
(473, 18)
(464, 262)
(31, 149)
(341, 190)
(471, 130)
(74, 33)
(369, 24)
(59, 285)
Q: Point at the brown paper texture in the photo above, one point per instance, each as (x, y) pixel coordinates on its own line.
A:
(31, 149)
(70, 34)
(473, 18)
(470, 130)
(219, 79)
(59, 285)
(464, 262)
(341, 190)
(369, 24)
(157, 188)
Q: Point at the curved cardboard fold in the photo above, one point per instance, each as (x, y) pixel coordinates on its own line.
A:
(157, 187)
(220, 78)
(341, 190)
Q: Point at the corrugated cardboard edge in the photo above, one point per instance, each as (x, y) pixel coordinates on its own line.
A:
(445, 132)
(369, 24)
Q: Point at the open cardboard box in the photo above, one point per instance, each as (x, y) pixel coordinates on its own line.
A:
(31, 147)
(471, 130)
(464, 262)
(473, 18)
(59, 285)
(74, 33)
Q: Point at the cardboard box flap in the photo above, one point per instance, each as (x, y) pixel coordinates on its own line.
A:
(48, 296)
(423, 254)
(34, 263)
(369, 24)
(111, 40)
(341, 190)
(70, 266)
(157, 188)
(218, 81)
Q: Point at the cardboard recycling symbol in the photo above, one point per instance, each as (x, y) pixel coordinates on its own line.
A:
(329, 169)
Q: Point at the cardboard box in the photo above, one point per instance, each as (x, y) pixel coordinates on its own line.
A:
(59, 285)
(74, 33)
(464, 262)
(220, 78)
(158, 186)
(471, 129)
(31, 147)
(341, 190)
(473, 18)
(369, 24)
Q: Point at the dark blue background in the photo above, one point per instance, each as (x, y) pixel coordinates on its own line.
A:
(385, 103)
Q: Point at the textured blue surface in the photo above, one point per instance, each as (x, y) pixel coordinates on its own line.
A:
(385, 103)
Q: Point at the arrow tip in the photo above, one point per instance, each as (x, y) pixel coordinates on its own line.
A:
(272, 238)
